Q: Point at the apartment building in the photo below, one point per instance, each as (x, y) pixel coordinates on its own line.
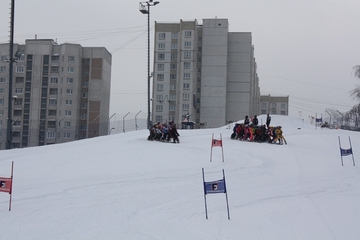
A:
(278, 105)
(61, 92)
(205, 72)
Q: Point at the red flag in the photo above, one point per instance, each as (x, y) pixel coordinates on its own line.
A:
(5, 184)
(216, 143)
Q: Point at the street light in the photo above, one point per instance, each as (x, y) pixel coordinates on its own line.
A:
(144, 8)
(10, 97)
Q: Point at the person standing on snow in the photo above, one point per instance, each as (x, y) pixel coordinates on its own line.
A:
(268, 120)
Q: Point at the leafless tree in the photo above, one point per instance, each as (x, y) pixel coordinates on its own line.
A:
(356, 92)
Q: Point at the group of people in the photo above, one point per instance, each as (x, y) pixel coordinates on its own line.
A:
(250, 131)
(165, 132)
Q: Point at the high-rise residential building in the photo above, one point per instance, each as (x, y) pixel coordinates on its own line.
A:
(61, 92)
(278, 105)
(205, 72)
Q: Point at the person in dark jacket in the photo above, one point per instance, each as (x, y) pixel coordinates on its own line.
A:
(268, 120)
(255, 121)
(246, 120)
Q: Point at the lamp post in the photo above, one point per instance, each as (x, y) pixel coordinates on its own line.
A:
(144, 8)
(11, 60)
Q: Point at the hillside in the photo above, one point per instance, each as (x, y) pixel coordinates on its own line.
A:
(125, 187)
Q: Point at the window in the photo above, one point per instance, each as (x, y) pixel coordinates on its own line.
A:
(85, 84)
(18, 102)
(171, 107)
(1, 111)
(68, 113)
(55, 58)
(273, 105)
(160, 87)
(173, 66)
(84, 105)
(160, 67)
(54, 80)
(2, 79)
(71, 69)
(158, 118)
(187, 34)
(20, 69)
(71, 59)
(160, 77)
(174, 35)
(174, 56)
(3, 69)
(83, 116)
(186, 96)
(161, 56)
(84, 95)
(54, 69)
(3, 58)
(187, 44)
(159, 97)
(67, 124)
(17, 90)
(69, 91)
(173, 76)
(187, 54)
(52, 101)
(161, 46)
(187, 65)
(186, 75)
(19, 79)
(53, 91)
(185, 107)
(50, 135)
(174, 46)
(159, 108)
(70, 80)
(83, 127)
(282, 113)
(2, 90)
(161, 36)
(282, 106)
(68, 102)
(186, 86)
(52, 112)
(264, 104)
(172, 87)
(172, 97)
(1, 101)
(66, 135)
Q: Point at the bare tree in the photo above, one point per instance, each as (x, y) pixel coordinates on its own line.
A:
(356, 92)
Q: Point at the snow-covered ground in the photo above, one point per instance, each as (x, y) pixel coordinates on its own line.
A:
(125, 187)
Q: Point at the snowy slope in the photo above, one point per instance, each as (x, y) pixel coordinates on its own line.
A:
(125, 187)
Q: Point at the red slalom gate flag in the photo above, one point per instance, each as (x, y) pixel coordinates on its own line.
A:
(5, 184)
(216, 143)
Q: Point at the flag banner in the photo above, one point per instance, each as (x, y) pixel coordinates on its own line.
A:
(5, 184)
(215, 186)
(216, 143)
(318, 119)
(345, 152)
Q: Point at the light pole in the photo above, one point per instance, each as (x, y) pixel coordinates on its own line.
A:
(11, 60)
(144, 8)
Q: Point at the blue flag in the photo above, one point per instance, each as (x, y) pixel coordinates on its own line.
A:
(345, 152)
(215, 187)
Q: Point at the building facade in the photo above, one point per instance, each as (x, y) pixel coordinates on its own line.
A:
(205, 72)
(61, 92)
(277, 105)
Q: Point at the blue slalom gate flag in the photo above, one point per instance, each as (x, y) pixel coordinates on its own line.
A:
(215, 186)
(345, 152)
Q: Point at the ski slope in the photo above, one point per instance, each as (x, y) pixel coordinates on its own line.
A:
(125, 187)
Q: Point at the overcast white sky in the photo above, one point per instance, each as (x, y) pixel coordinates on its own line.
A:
(304, 49)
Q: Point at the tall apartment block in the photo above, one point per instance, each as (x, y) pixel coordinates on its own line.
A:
(61, 92)
(205, 72)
